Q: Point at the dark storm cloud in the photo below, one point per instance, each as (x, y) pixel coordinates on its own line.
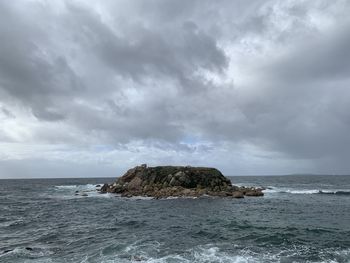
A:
(27, 72)
(141, 52)
(40, 76)
(260, 72)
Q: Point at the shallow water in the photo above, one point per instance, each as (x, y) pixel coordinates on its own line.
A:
(44, 221)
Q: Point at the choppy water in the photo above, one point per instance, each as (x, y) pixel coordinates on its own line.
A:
(43, 221)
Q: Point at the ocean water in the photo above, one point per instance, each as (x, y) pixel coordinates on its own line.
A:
(43, 220)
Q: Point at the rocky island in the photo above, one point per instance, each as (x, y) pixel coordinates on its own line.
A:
(177, 181)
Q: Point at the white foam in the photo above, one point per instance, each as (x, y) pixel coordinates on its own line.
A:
(200, 255)
(312, 191)
(302, 191)
(36, 253)
(68, 192)
(179, 197)
(77, 187)
(140, 252)
(66, 186)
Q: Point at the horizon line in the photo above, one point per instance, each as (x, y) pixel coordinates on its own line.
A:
(248, 175)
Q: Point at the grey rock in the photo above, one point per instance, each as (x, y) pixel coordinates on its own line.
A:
(165, 181)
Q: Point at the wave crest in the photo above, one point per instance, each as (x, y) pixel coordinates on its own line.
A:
(307, 191)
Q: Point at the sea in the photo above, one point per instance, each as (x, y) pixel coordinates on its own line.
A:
(301, 218)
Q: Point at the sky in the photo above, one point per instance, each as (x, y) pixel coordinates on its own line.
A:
(92, 88)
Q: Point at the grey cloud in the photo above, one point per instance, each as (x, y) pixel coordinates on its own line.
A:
(27, 71)
(321, 59)
(161, 71)
(302, 110)
(174, 53)
(41, 168)
(49, 85)
(7, 113)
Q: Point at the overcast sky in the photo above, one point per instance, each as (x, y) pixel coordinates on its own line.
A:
(91, 88)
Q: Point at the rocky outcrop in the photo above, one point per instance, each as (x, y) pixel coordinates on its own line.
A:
(167, 181)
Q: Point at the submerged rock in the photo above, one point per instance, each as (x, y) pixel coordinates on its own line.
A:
(237, 194)
(167, 181)
(254, 192)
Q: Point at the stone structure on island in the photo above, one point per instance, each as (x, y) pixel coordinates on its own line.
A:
(176, 181)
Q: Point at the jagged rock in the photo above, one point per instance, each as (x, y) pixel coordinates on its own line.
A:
(104, 188)
(166, 181)
(135, 184)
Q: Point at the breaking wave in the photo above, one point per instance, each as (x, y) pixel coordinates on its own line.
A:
(79, 191)
(67, 220)
(83, 187)
(307, 191)
(211, 254)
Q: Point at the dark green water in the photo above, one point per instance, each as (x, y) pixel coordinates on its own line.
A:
(43, 221)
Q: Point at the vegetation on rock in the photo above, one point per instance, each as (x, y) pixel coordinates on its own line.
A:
(167, 181)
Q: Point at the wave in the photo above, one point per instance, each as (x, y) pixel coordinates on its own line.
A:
(66, 186)
(78, 187)
(207, 254)
(78, 191)
(307, 191)
(36, 253)
(90, 190)
(152, 252)
(340, 192)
